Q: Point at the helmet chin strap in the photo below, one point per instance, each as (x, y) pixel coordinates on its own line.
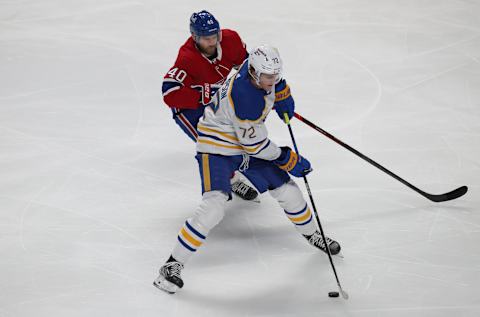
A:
(255, 76)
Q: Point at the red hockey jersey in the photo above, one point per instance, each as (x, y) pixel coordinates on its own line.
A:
(192, 68)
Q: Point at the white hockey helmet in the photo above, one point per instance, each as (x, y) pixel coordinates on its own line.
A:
(264, 59)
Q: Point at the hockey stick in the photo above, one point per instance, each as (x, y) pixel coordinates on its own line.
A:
(454, 194)
(344, 294)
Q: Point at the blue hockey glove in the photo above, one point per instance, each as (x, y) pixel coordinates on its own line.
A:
(290, 162)
(283, 100)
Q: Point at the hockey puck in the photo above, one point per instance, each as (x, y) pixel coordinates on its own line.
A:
(333, 294)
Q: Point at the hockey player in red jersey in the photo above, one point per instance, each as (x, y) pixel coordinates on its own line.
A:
(201, 67)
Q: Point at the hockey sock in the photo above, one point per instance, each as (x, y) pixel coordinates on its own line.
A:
(295, 207)
(302, 219)
(189, 240)
(195, 230)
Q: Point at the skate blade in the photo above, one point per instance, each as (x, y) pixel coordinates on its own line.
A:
(339, 254)
(164, 285)
(255, 200)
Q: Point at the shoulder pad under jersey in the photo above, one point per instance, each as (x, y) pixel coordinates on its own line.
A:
(247, 100)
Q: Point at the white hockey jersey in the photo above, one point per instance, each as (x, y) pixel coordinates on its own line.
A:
(233, 124)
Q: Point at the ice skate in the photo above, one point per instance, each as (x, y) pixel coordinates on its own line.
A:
(169, 279)
(317, 241)
(244, 191)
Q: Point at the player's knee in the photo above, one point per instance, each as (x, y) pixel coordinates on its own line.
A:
(289, 196)
(211, 210)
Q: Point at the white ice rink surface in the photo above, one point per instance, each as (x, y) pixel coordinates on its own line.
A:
(96, 179)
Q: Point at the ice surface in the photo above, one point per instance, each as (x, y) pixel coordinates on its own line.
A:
(96, 179)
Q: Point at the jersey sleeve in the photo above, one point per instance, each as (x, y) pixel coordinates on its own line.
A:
(239, 47)
(176, 87)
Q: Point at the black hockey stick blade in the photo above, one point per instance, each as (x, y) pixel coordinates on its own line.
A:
(344, 294)
(454, 194)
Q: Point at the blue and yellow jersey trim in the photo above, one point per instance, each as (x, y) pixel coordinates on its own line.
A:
(209, 141)
(226, 140)
(219, 134)
(257, 147)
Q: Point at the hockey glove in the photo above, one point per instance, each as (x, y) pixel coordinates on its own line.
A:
(284, 100)
(206, 93)
(290, 162)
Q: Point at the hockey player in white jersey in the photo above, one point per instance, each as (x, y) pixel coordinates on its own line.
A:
(233, 136)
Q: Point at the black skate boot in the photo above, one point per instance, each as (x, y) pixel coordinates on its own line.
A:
(317, 241)
(244, 191)
(169, 279)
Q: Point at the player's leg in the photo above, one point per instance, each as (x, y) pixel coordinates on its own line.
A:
(190, 238)
(187, 120)
(297, 210)
(215, 171)
(281, 187)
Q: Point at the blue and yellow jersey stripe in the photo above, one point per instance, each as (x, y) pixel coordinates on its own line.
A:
(256, 148)
(206, 173)
(217, 143)
(219, 134)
